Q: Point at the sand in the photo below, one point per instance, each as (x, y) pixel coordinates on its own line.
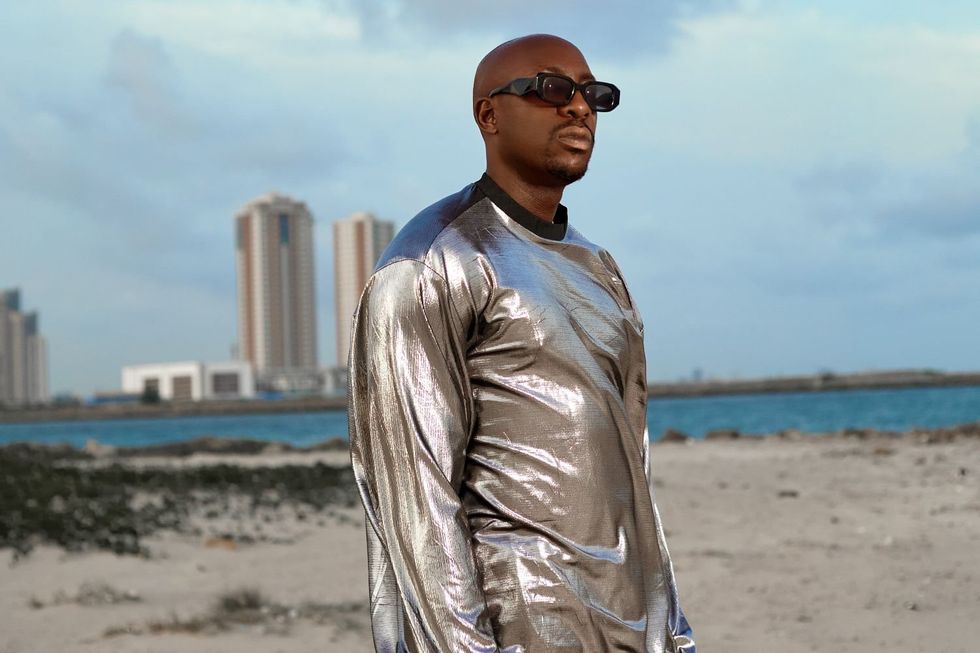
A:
(813, 544)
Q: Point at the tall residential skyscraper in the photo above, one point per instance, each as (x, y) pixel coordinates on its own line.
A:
(276, 299)
(23, 354)
(358, 242)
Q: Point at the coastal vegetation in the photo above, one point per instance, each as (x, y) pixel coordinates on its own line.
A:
(54, 495)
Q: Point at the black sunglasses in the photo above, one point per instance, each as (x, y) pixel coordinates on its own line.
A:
(559, 90)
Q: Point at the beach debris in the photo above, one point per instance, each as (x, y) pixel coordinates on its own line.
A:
(713, 553)
(88, 594)
(104, 594)
(788, 494)
(240, 601)
(98, 450)
(248, 608)
(227, 543)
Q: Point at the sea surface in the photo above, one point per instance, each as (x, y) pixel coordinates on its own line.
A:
(750, 414)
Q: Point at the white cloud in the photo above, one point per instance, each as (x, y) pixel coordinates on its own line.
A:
(802, 87)
(249, 30)
(614, 28)
(141, 68)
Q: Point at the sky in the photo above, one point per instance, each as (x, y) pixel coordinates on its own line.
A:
(789, 187)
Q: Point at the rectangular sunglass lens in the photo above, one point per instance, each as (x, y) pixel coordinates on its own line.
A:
(556, 90)
(602, 97)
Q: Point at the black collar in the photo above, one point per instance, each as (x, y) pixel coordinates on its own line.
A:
(550, 230)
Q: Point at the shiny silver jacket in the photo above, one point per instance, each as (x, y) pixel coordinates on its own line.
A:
(497, 426)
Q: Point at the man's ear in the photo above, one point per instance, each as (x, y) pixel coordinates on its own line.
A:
(486, 117)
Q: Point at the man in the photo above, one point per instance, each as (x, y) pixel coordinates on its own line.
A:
(498, 401)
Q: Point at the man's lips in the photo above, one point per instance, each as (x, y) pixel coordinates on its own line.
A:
(574, 137)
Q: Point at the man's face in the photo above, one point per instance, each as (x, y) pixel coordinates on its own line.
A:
(544, 143)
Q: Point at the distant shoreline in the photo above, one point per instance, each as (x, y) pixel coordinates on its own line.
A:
(817, 383)
(814, 383)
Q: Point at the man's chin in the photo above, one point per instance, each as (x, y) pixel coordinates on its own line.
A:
(566, 173)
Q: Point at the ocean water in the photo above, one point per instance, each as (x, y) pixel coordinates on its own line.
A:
(752, 414)
(886, 410)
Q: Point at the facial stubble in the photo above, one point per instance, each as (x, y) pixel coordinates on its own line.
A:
(567, 172)
(564, 171)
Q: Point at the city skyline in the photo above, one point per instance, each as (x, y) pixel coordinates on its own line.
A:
(787, 187)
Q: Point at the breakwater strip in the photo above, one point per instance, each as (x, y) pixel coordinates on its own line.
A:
(72, 413)
(812, 383)
(816, 383)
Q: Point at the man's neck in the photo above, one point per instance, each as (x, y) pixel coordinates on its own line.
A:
(541, 200)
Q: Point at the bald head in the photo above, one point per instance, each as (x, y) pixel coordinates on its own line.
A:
(531, 141)
(521, 57)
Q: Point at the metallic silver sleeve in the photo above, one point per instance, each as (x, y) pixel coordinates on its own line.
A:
(413, 416)
(498, 436)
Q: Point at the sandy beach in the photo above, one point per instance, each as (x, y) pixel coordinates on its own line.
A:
(847, 542)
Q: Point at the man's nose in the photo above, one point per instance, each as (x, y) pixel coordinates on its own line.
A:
(577, 107)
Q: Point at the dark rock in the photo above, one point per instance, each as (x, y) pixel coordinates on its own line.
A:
(722, 434)
(333, 444)
(861, 434)
(206, 444)
(673, 435)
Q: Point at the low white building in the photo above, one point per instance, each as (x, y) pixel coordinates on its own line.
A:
(191, 380)
(334, 381)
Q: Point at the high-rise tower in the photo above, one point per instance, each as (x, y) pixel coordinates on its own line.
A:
(276, 299)
(23, 354)
(358, 242)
